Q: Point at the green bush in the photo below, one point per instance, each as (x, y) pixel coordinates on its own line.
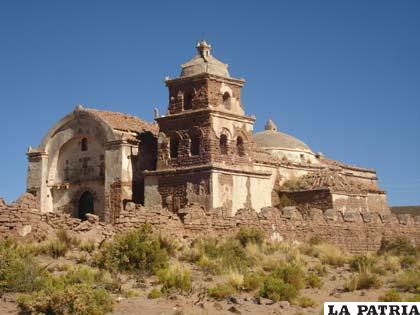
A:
(305, 302)
(136, 251)
(362, 263)
(321, 270)
(217, 256)
(252, 281)
(313, 281)
(78, 299)
(391, 296)
(221, 291)
(208, 265)
(247, 235)
(399, 246)
(291, 274)
(175, 278)
(408, 280)
(89, 276)
(154, 294)
(408, 261)
(275, 289)
(18, 270)
(363, 280)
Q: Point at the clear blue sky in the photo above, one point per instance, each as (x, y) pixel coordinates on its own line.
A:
(343, 76)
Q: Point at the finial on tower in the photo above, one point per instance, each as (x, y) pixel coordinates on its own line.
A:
(270, 125)
(203, 49)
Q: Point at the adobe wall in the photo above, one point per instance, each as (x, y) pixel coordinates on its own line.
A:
(305, 200)
(352, 231)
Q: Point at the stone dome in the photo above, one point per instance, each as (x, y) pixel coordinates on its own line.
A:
(271, 138)
(204, 62)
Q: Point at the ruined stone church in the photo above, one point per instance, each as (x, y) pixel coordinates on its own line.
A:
(202, 151)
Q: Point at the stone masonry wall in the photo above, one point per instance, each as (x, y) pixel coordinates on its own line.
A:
(352, 231)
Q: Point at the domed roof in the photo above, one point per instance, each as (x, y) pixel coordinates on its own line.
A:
(204, 62)
(271, 138)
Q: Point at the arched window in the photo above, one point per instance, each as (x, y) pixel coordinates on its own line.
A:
(195, 144)
(187, 101)
(173, 146)
(240, 146)
(83, 145)
(226, 100)
(223, 142)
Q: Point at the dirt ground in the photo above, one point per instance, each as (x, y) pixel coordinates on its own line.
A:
(198, 303)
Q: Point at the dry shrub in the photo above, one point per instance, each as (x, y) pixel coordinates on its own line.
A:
(56, 248)
(74, 299)
(154, 294)
(363, 280)
(175, 277)
(218, 256)
(391, 296)
(389, 263)
(400, 246)
(252, 281)
(362, 263)
(248, 235)
(329, 254)
(313, 281)
(235, 279)
(221, 291)
(305, 302)
(87, 246)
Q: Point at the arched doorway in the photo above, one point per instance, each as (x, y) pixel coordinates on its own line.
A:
(85, 205)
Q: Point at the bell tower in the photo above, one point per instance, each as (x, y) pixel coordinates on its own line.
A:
(205, 133)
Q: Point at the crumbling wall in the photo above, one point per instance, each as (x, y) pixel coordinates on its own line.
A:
(351, 231)
(178, 190)
(305, 200)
